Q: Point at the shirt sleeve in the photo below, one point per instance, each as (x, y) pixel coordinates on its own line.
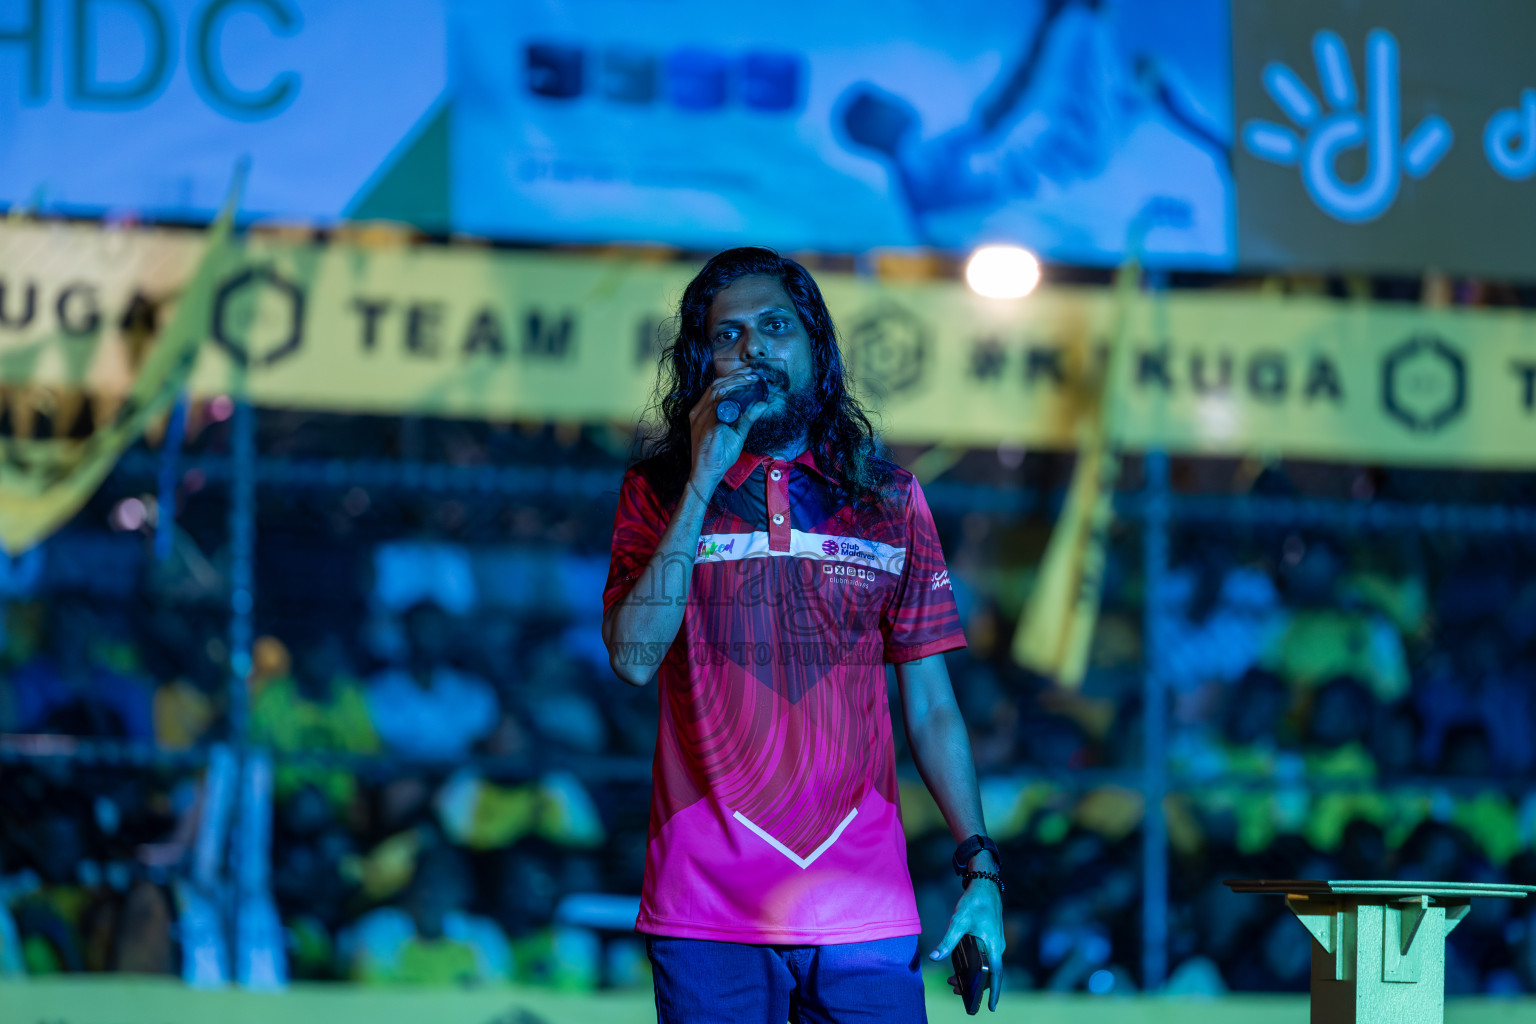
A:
(637, 529)
(922, 618)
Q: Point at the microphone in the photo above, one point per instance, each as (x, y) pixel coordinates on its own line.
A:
(729, 409)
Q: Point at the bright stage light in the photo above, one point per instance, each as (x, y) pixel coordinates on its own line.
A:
(1002, 272)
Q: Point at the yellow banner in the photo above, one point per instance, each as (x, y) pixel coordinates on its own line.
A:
(474, 332)
(46, 476)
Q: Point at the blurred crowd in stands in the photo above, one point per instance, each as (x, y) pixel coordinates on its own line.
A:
(461, 786)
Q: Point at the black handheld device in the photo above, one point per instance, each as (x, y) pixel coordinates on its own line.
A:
(972, 975)
(730, 408)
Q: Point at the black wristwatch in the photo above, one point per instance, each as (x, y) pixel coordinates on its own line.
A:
(970, 848)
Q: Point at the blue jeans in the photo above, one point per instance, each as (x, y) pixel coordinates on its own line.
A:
(704, 982)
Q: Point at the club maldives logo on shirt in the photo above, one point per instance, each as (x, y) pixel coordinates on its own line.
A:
(710, 548)
(846, 549)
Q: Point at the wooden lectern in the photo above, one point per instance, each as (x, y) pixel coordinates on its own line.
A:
(1378, 948)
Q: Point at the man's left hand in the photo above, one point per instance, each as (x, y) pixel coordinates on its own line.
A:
(979, 913)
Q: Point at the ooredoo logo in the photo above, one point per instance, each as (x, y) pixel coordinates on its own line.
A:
(1322, 134)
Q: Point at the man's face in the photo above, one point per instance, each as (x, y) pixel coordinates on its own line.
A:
(753, 327)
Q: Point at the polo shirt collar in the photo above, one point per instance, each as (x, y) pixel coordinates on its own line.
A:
(748, 463)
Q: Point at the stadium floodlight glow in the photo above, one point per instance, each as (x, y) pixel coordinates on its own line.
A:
(1002, 272)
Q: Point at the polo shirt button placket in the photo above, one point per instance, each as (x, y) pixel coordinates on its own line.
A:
(778, 509)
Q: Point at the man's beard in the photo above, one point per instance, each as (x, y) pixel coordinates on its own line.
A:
(774, 431)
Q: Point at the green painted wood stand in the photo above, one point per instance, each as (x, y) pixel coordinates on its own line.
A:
(1378, 948)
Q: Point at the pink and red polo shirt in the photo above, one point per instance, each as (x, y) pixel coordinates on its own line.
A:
(775, 816)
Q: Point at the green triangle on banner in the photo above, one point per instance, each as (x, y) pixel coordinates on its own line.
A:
(413, 185)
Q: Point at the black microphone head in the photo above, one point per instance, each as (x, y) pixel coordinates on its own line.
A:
(730, 408)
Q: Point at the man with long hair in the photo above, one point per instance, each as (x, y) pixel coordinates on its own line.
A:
(768, 570)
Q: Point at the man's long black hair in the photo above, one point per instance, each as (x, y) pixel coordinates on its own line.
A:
(841, 437)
